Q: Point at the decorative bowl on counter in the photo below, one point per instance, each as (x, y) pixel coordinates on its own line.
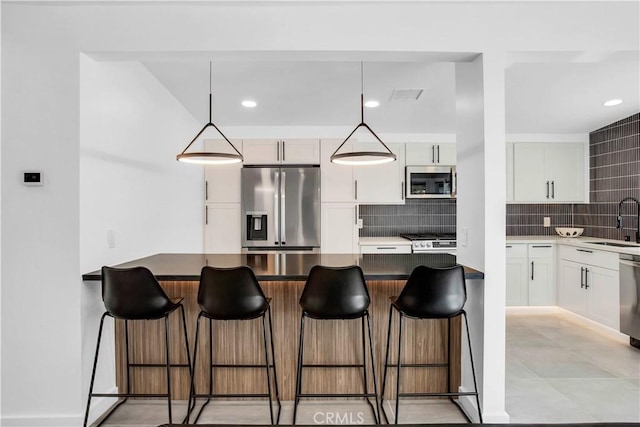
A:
(569, 231)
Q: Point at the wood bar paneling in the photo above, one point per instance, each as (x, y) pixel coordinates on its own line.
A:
(326, 341)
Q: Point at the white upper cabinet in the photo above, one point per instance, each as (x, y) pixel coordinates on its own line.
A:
(281, 151)
(338, 184)
(548, 172)
(419, 154)
(380, 184)
(222, 182)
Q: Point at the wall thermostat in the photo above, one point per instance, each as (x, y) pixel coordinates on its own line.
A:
(33, 178)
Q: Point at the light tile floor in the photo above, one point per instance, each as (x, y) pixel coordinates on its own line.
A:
(561, 370)
(557, 371)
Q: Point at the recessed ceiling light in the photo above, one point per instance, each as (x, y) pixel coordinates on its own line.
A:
(372, 104)
(249, 103)
(612, 102)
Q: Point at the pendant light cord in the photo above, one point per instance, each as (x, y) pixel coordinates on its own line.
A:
(361, 92)
(210, 96)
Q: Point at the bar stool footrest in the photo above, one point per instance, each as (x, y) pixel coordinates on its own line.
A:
(128, 395)
(158, 365)
(223, 395)
(420, 365)
(338, 395)
(451, 394)
(332, 366)
(226, 365)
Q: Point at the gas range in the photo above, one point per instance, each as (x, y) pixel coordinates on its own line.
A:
(432, 242)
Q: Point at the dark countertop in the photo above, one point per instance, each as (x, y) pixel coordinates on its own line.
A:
(288, 266)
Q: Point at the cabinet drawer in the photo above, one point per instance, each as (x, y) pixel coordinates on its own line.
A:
(603, 259)
(540, 250)
(385, 249)
(516, 250)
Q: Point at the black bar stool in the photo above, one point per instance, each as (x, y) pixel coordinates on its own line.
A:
(430, 293)
(135, 294)
(234, 294)
(336, 293)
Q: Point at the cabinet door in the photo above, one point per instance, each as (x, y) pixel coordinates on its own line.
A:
(261, 151)
(337, 180)
(517, 282)
(380, 184)
(339, 232)
(564, 165)
(222, 228)
(446, 154)
(542, 289)
(571, 293)
(603, 302)
(529, 183)
(300, 151)
(222, 182)
(418, 154)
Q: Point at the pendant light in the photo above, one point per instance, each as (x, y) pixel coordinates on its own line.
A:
(207, 157)
(359, 158)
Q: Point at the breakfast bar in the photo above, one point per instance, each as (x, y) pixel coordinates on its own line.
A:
(282, 277)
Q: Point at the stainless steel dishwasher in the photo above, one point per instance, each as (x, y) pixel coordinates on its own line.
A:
(630, 297)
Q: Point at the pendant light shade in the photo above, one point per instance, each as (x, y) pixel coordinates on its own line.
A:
(361, 158)
(208, 157)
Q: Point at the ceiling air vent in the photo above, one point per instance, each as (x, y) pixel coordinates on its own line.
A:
(406, 94)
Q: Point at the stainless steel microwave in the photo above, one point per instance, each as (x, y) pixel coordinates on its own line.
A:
(428, 182)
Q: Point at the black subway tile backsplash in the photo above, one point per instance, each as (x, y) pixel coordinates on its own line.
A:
(614, 173)
(415, 216)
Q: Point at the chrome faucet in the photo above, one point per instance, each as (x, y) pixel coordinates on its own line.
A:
(619, 224)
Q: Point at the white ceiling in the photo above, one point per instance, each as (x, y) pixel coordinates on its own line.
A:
(545, 93)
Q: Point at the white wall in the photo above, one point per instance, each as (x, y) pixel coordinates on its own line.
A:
(41, 43)
(131, 128)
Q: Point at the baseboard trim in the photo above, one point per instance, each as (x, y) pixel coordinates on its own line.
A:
(99, 406)
(538, 309)
(468, 405)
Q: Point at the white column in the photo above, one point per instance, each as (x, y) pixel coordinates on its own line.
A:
(481, 161)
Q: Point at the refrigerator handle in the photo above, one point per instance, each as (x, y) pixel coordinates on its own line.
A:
(283, 179)
(276, 211)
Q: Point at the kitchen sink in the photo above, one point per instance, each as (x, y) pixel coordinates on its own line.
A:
(616, 244)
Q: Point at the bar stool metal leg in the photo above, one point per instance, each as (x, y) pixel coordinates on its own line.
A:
(166, 339)
(267, 367)
(299, 369)
(275, 372)
(398, 370)
(373, 371)
(192, 390)
(473, 369)
(386, 365)
(93, 372)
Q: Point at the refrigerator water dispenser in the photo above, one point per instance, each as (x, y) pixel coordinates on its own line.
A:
(256, 225)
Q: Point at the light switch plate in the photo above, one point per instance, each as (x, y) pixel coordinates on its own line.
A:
(359, 224)
(547, 221)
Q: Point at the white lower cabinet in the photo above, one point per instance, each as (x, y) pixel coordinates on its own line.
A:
(222, 228)
(339, 228)
(517, 284)
(589, 284)
(530, 274)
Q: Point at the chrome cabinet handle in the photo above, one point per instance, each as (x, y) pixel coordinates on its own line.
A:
(586, 278)
(581, 277)
(284, 157)
(206, 190)
(206, 215)
(547, 189)
(402, 190)
(531, 270)
(553, 189)
(584, 250)
(541, 246)
(438, 154)
(508, 246)
(433, 154)
(278, 151)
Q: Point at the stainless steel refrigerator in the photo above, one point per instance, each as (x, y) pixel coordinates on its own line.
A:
(281, 208)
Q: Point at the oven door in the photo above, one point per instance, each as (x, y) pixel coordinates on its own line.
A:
(427, 182)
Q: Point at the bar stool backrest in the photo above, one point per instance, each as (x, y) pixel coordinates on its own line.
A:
(335, 293)
(133, 293)
(230, 293)
(433, 292)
